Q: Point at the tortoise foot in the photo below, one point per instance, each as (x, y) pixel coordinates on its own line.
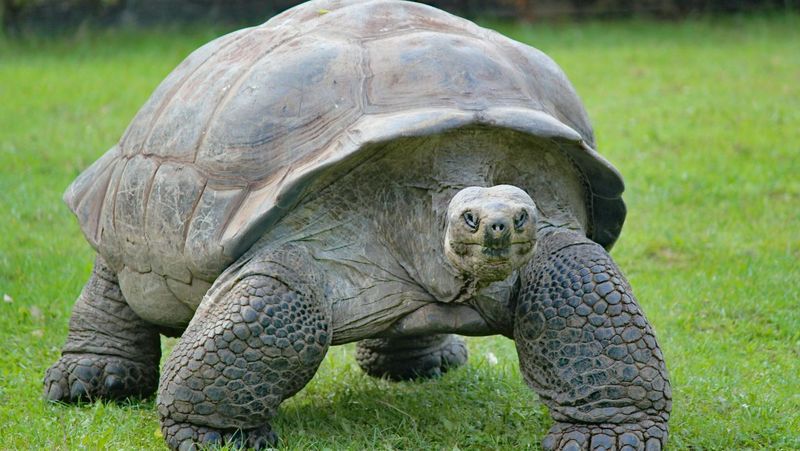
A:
(186, 437)
(88, 377)
(411, 358)
(644, 436)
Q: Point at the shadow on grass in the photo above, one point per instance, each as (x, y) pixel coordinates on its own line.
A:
(472, 407)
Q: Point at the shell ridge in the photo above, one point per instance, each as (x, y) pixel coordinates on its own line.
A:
(366, 74)
(116, 192)
(372, 128)
(312, 133)
(224, 226)
(417, 30)
(519, 77)
(192, 215)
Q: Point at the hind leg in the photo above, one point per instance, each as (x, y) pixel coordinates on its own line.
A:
(110, 352)
(404, 358)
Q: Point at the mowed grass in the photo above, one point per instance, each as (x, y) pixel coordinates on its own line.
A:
(702, 118)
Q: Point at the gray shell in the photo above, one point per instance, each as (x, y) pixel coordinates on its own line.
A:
(229, 141)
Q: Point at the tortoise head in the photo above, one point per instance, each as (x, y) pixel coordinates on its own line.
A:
(490, 232)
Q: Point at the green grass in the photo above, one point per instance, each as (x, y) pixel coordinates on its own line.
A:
(702, 118)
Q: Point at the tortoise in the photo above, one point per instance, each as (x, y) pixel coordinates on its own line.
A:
(378, 172)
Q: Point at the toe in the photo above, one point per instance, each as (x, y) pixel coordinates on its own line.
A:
(653, 444)
(262, 438)
(602, 442)
(114, 385)
(78, 391)
(76, 378)
(186, 436)
(550, 442)
(575, 440)
(54, 393)
(649, 436)
(630, 441)
(55, 384)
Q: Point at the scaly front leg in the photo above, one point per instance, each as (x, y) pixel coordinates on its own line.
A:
(257, 339)
(586, 348)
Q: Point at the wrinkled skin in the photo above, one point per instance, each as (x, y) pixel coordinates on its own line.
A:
(490, 231)
(583, 343)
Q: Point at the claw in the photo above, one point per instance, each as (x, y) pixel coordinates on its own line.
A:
(602, 442)
(212, 437)
(114, 384)
(75, 379)
(549, 443)
(605, 437)
(78, 391)
(54, 392)
(186, 436)
(653, 444)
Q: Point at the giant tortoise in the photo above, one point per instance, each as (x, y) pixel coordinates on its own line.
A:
(378, 172)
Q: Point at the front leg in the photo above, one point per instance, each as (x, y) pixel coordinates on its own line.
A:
(586, 348)
(257, 339)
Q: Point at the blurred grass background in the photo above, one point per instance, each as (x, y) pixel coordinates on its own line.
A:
(702, 117)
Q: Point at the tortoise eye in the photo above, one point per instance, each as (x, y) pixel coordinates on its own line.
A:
(471, 220)
(520, 220)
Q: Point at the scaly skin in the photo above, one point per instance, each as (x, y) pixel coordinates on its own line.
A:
(406, 358)
(253, 346)
(110, 352)
(586, 348)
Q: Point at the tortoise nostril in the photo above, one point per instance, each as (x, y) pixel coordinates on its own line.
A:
(499, 228)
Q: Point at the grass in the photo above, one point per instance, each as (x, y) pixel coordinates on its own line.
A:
(703, 119)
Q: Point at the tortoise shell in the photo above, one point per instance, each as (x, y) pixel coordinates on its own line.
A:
(229, 141)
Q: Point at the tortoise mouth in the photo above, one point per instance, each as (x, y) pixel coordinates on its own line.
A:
(496, 253)
(492, 262)
(504, 254)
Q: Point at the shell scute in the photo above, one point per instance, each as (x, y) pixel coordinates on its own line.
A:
(203, 251)
(372, 20)
(287, 106)
(129, 211)
(175, 192)
(141, 129)
(547, 85)
(183, 125)
(439, 69)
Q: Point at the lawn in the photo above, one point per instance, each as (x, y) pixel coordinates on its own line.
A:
(701, 117)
